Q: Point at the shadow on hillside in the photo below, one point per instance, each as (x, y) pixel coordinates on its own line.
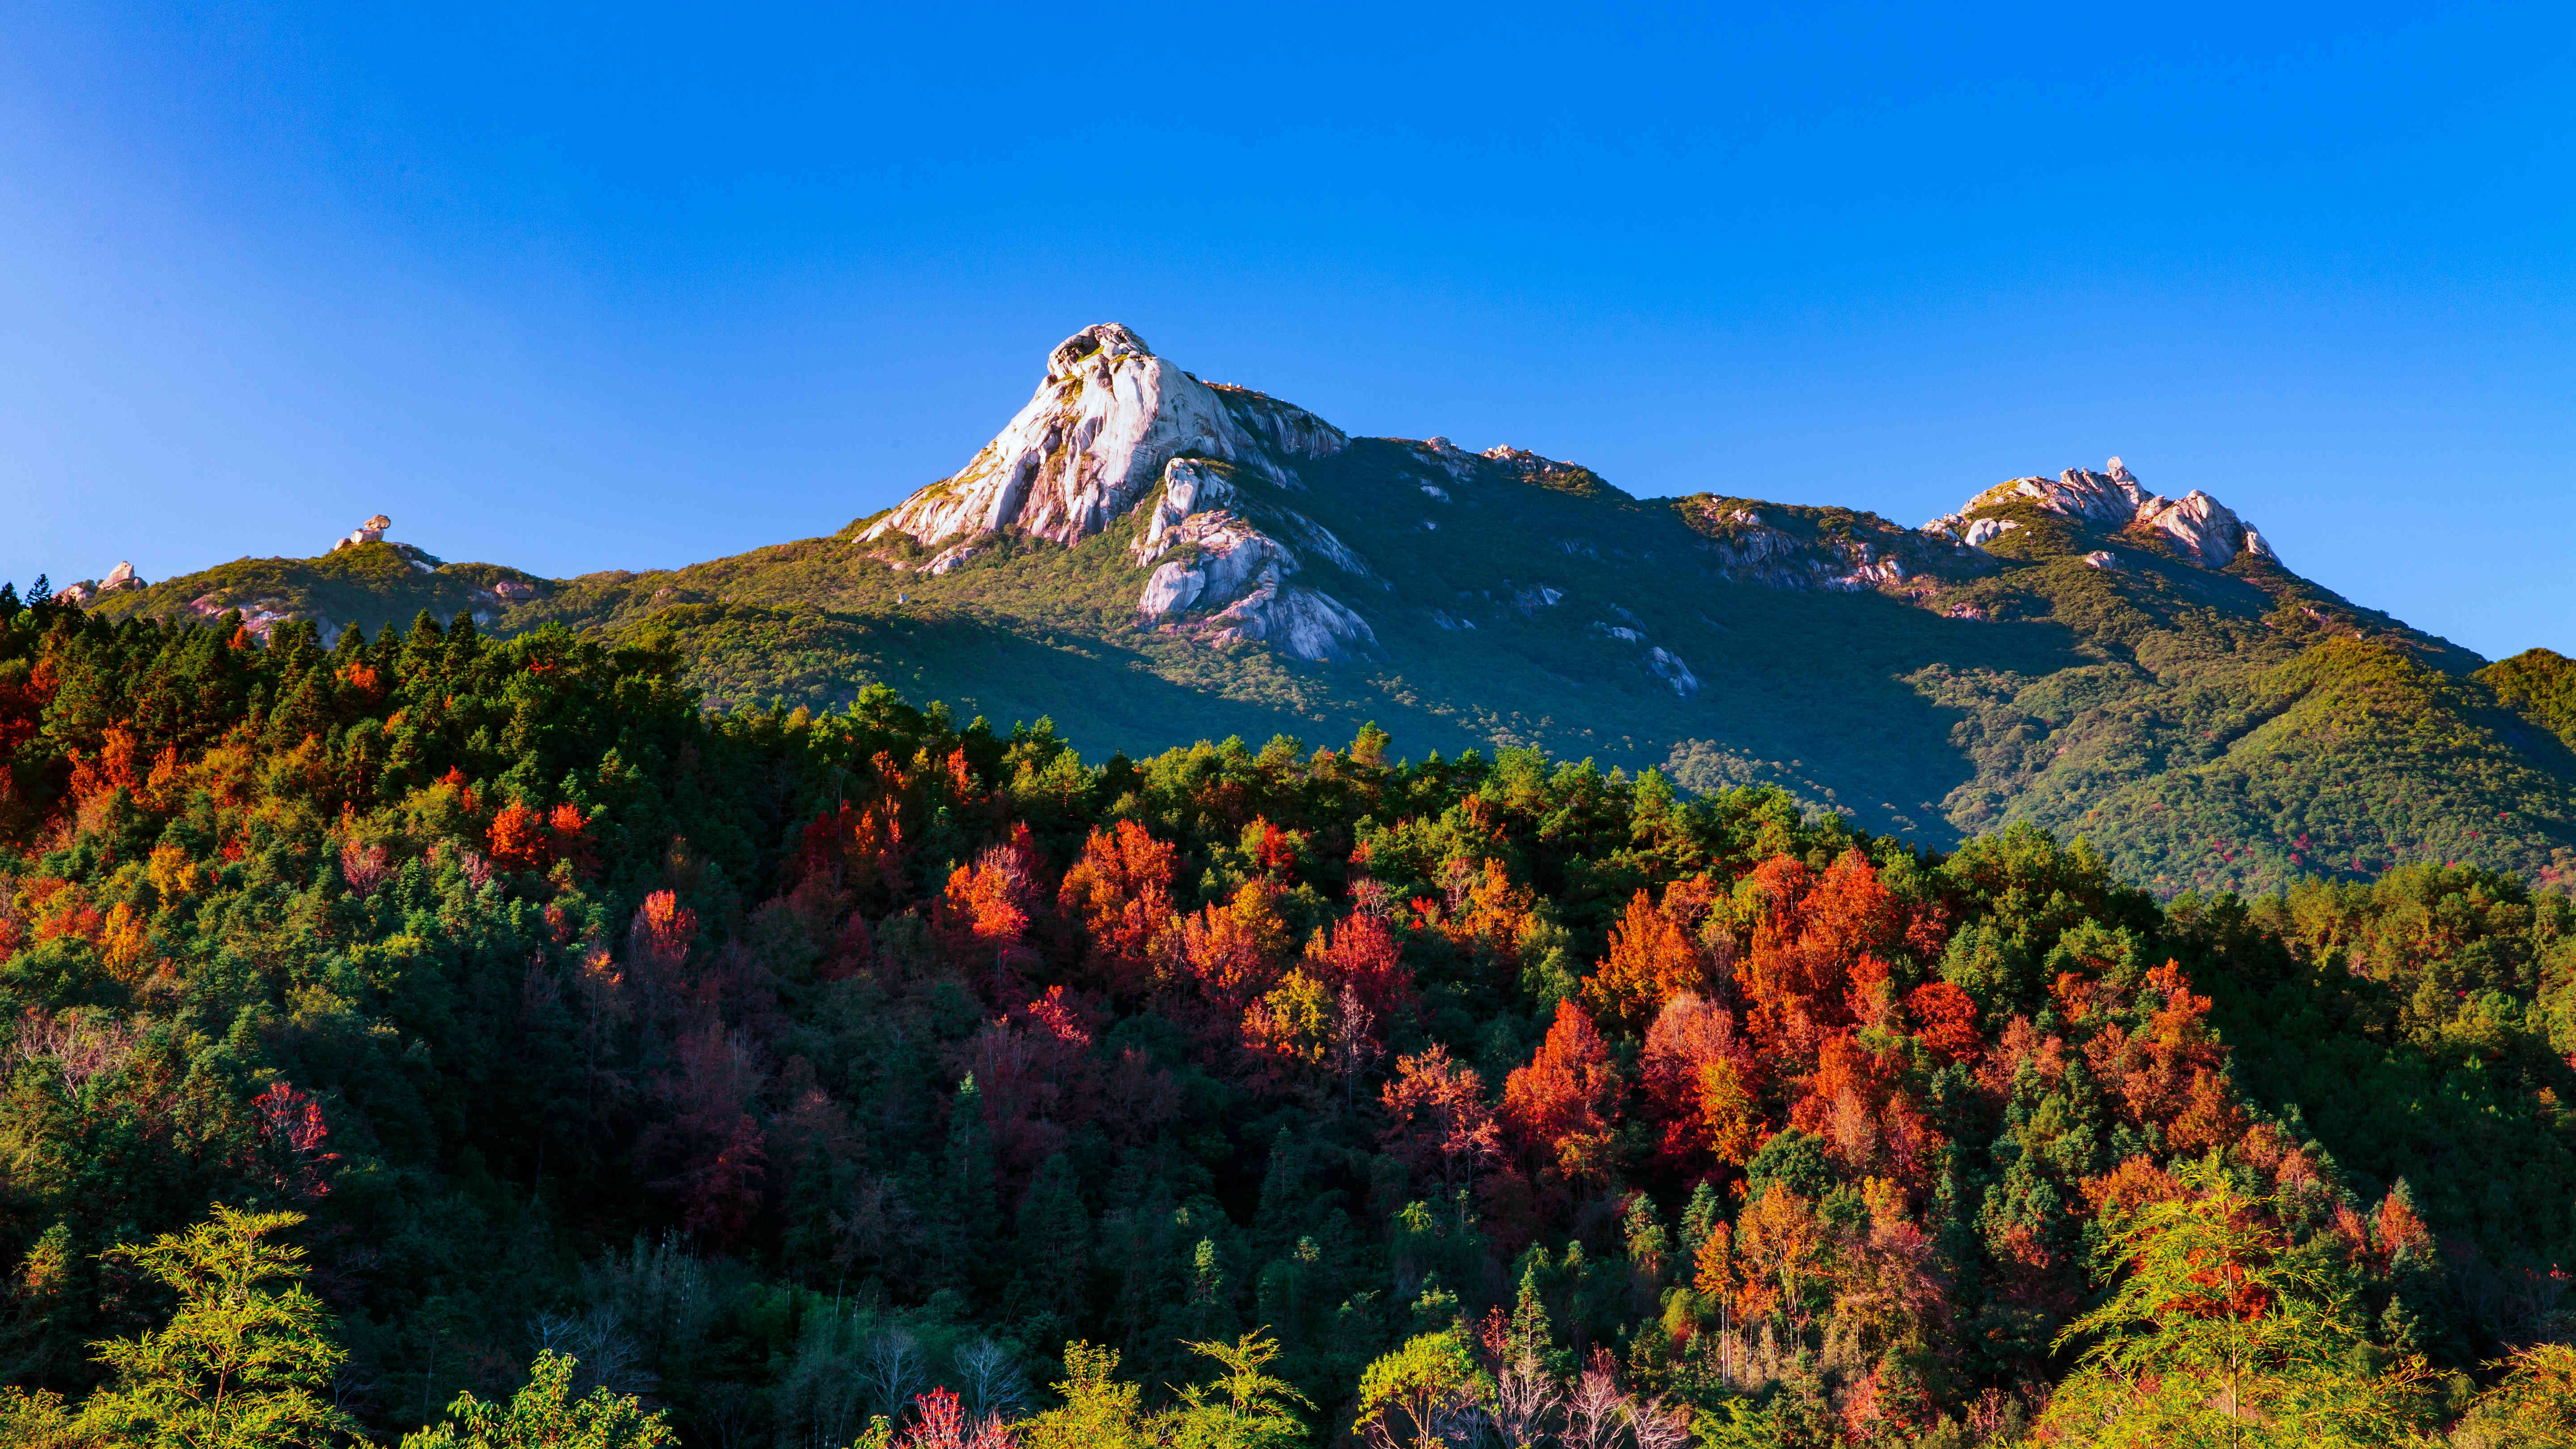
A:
(1100, 695)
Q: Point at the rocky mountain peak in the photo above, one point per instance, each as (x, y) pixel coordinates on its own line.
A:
(2202, 529)
(1116, 432)
(1093, 440)
(1109, 341)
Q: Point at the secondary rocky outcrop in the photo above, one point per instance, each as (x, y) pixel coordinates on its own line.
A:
(371, 531)
(1209, 556)
(120, 579)
(1807, 548)
(2198, 527)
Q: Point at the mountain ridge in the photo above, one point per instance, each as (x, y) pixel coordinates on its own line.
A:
(1148, 557)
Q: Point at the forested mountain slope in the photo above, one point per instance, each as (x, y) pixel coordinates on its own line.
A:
(1149, 559)
(790, 1069)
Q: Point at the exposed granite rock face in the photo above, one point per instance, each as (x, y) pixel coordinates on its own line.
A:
(1115, 431)
(1307, 623)
(1751, 548)
(88, 591)
(1188, 487)
(1669, 668)
(1215, 559)
(2076, 493)
(2203, 528)
(371, 531)
(1987, 530)
(1095, 437)
(2197, 526)
(1448, 457)
(1226, 558)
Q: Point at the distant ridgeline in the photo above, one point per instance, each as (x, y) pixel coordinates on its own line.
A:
(410, 1016)
(1149, 559)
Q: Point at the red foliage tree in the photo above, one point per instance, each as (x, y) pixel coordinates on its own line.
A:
(1232, 951)
(1945, 1021)
(1812, 932)
(297, 1138)
(1561, 1107)
(1702, 1085)
(1362, 953)
(1853, 1100)
(715, 1147)
(940, 1422)
(985, 914)
(1034, 1075)
(1120, 892)
(1438, 1122)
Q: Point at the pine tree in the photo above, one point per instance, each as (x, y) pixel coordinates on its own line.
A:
(1699, 1215)
(1055, 1238)
(1284, 1201)
(968, 1223)
(1533, 1334)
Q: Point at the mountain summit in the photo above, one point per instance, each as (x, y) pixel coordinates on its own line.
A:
(1106, 421)
(1115, 430)
(1149, 559)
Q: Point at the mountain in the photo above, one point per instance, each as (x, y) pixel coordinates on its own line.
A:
(1150, 558)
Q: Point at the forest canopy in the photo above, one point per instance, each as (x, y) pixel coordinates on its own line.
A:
(545, 1055)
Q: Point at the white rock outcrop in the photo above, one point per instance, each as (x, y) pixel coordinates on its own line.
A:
(119, 580)
(948, 560)
(1669, 668)
(1448, 457)
(1307, 623)
(371, 531)
(2206, 530)
(1986, 530)
(1227, 558)
(2199, 527)
(1214, 558)
(1106, 418)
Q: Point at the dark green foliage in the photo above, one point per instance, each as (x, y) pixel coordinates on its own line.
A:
(725, 1050)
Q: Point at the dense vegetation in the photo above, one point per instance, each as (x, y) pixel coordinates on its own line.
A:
(443, 1015)
(2207, 729)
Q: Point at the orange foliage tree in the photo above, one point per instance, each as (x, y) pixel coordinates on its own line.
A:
(1702, 1083)
(1120, 892)
(1652, 959)
(1561, 1107)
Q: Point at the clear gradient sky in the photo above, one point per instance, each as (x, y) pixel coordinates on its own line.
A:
(587, 287)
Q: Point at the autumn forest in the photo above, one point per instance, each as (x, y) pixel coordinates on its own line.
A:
(443, 1040)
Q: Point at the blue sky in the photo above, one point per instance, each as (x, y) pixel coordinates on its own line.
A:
(581, 288)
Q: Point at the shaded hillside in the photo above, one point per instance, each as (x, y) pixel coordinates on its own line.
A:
(1147, 559)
